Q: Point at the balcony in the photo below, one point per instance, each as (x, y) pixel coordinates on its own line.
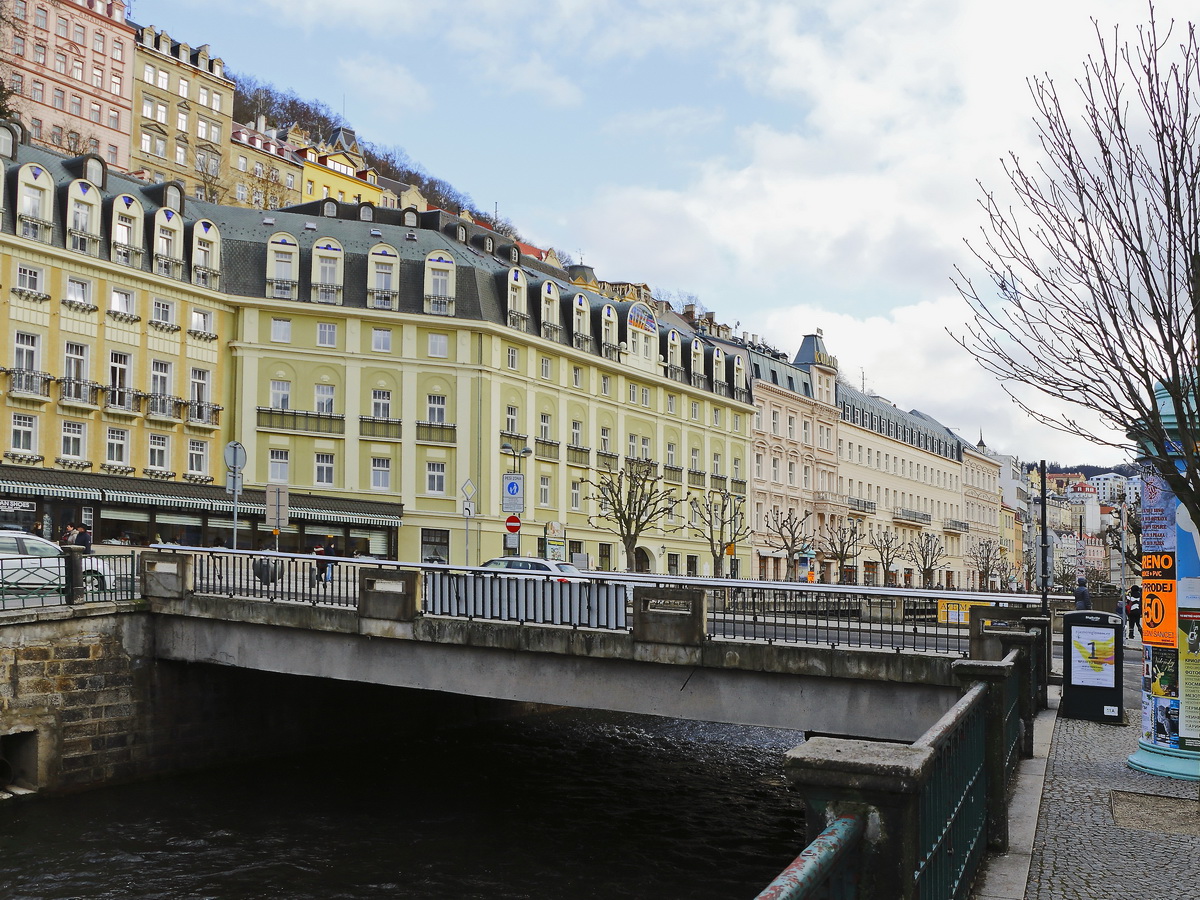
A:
(329, 294)
(676, 373)
(551, 331)
(741, 395)
(606, 461)
(204, 277)
(582, 342)
(579, 456)
(437, 432)
(378, 298)
(722, 389)
(301, 420)
(673, 474)
(911, 515)
(738, 486)
(514, 437)
(83, 242)
(281, 289)
(122, 400)
(33, 296)
(439, 305)
(164, 406)
(859, 506)
(610, 351)
(201, 412)
(700, 380)
(375, 427)
(718, 482)
(696, 478)
(34, 228)
(168, 266)
(79, 305)
(518, 320)
(76, 392)
(829, 498)
(642, 465)
(544, 448)
(126, 254)
(28, 383)
(957, 526)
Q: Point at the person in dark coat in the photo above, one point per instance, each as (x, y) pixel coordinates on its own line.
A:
(83, 538)
(1083, 600)
(1133, 610)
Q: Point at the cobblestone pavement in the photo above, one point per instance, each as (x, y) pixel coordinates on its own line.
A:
(1079, 850)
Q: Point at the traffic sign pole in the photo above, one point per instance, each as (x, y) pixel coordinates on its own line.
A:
(235, 461)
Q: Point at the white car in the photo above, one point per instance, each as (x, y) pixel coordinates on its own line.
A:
(32, 563)
(533, 567)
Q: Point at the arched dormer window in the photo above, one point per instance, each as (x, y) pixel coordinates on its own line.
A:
(328, 269)
(740, 391)
(581, 331)
(699, 379)
(34, 196)
(514, 254)
(126, 231)
(383, 288)
(173, 198)
(551, 328)
(460, 232)
(83, 217)
(518, 308)
(329, 209)
(720, 380)
(168, 243)
(489, 244)
(439, 283)
(641, 329)
(94, 171)
(10, 137)
(410, 218)
(366, 212)
(674, 356)
(609, 347)
(283, 266)
(206, 255)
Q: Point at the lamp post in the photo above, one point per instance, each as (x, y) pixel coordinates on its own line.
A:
(513, 495)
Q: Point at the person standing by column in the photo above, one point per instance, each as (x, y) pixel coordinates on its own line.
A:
(1133, 609)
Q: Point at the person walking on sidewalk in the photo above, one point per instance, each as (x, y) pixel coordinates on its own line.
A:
(1133, 610)
(1083, 600)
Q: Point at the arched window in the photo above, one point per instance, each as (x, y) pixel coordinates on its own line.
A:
(518, 311)
(34, 197)
(608, 333)
(384, 275)
(581, 337)
(328, 267)
(83, 217)
(283, 267)
(439, 283)
(206, 255)
(551, 329)
(168, 243)
(126, 230)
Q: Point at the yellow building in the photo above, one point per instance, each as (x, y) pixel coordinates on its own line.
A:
(335, 169)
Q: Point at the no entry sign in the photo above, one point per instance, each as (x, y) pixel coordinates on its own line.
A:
(513, 524)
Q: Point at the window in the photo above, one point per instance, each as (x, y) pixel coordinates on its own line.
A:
(38, 91)
(118, 51)
(633, 445)
(716, 418)
(439, 345)
(381, 473)
(39, 54)
(575, 494)
(160, 378)
(59, 99)
(277, 468)
(544, 490)
(76, 105)
(20, 9)
(670, 403)
(281, 394)
(164, 79)
(326, 334)
(72, 439)
(605, 385)
(79, 291)
(645, 396)
(544, 428)
(576, 376)
(576, 433)
(670, 454)
(117, 446)
(241, 193)
(202, 320)
(514, 359)
(183, 87)
(158, 455)
(79, 34)
(381, 340)
(25, 354)
(695, 410)
(40, 18)
(198, 456)
(18, 45)
(29, 278)
(114, 86)
(60, 27)
(323, 398)
(436, 406)
(435, 478)
(645, 448)
(290, 181)
(605, 439)
(121, 301)
(98, 42)
(381, 404)
(24, 432)
(545, 367)
(281, 331)
(323, 469)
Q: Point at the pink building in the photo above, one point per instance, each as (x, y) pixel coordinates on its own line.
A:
(69, 64)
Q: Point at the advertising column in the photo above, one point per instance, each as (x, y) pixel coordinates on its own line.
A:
(1169, 743)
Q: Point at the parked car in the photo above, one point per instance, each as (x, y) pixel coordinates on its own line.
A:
(29, 562)
(533, 567)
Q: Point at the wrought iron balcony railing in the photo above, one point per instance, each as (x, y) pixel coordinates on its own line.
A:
(301, 420)
(437, 432)
(373, 426)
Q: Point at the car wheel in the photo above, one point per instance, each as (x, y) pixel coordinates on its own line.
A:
(93, 581)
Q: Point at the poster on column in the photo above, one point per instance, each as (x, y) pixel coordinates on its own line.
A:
(1159, 528)
(1189, 663)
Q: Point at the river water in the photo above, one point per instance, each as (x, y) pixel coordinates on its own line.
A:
(556, 806)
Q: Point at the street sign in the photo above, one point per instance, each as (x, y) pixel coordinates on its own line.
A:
(514, 493)
(468, 489)
(235, 456)
(468, 509)
(277, 505)
(513, 524)
(233, 483)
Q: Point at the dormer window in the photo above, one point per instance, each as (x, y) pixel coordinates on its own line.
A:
(168, 244)
(206, 256)
(173, 198)
(381, 292)
(327, 262)
(514, 255)
(410, 219)
(33, 211)
(551, 329)
(439, 283)
(282, 267)
(461, 233)
(83, 226)
(581, 337)
(330, 209)
(518, 312)
(126, 232)
(489, 244)
(93, 171)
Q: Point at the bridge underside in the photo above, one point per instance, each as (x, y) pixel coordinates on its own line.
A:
(605, 672)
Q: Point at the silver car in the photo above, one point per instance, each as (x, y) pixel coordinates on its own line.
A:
(32, 564)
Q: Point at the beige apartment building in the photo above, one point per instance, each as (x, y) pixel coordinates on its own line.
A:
(69, 66)
(182, 115)
(265, 171)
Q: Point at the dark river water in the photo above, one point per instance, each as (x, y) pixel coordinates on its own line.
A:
(557, 806)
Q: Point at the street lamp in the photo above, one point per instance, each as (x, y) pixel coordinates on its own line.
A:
(518, 456)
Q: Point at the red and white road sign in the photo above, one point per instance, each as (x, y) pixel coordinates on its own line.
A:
(513, 524)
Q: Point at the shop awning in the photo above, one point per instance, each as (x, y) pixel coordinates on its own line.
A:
(50, 490)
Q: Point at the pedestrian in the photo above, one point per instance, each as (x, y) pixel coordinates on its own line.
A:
(1083, 600)
(1133, 608)
(68, 535)
(83, 538)
(36, 529)
(318, 572)
(331, 551)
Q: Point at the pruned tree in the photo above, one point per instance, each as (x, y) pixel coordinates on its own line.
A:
(1029, 569)
(985, 558)
(1093, 273)
(928, 553)
(630, 501)
(1132, 543)
(841, 541)
(888, 549)
(719, 518)
(787, 532)
(1007, 570)
(1064, 575)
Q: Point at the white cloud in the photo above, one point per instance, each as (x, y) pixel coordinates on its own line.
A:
(388, 87)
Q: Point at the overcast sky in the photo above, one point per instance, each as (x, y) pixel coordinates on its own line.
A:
(795, 164)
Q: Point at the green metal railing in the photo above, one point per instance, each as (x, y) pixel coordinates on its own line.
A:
(826, 868)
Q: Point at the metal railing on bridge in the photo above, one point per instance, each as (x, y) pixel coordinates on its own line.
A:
(31, 582)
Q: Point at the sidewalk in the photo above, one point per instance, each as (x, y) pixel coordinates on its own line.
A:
(1085, 825)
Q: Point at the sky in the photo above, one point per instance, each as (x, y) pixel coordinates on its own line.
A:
(795, 164)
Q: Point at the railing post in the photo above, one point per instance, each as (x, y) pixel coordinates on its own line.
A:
(993, 674)
(1042, 627)
(76, 589)
(1027, 645)
(836, 776)
(166, 576)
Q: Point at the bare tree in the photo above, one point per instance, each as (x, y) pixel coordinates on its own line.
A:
(631, 501)
(1064, 575)
(1007, 570)
(719, 517)
(1096, 266)
(1029, 569)
(842, 542)
(888, 548)
(787, 532)
(985, 558)
(1133, 536)
(928, 553)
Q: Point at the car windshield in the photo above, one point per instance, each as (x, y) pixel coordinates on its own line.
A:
(569, 569)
